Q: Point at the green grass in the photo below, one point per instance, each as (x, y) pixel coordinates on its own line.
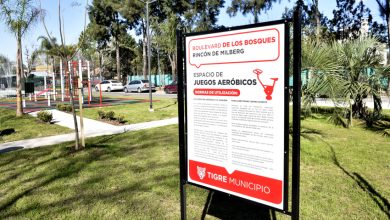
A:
(346, 172)
(344, 175)
(164, 108)
(26, 127)
(386, 112)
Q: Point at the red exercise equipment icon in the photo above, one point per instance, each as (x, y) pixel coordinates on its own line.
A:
(268, 89)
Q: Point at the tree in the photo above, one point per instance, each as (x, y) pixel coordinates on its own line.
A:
(317, 18)
(354, 83)
(31, 58)
(107, 26)
(384, 10)
(165, 37)
(135, 14)
(6, 67)
(254, 7)
(202, 15)
(315, 24)
(348, 18)
(48, 47)
(19, 16)
(65, 53)
(320, 66)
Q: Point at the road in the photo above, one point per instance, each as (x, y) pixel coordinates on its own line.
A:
(135, 94)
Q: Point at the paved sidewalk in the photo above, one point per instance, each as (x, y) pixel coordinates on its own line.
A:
(368, 101)
(92, 128)
(66, 120)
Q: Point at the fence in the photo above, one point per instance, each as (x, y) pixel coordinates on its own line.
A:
(158, 80)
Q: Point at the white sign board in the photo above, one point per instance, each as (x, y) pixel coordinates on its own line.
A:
(236, 112)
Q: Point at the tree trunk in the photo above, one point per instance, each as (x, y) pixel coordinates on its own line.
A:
(256, 16)
(145, 57)
(19, 106)
(118, 62)
(318, 22)
(172, 60)
(76, 129)
(350, 114)
(388, 44)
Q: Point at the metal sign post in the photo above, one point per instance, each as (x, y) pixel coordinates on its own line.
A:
(296, 155)
(182, 134)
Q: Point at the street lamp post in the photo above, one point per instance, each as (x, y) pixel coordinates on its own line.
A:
(148, 38)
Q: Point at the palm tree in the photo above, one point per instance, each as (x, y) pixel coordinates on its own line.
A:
(320, 67)
(355, 82)
(19, 15)
(49, 47)
(344, 71)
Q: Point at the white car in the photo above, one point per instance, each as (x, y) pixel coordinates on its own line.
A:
(138, 86)
(109, 85)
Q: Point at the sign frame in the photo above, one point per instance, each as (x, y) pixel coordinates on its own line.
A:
(183, 122)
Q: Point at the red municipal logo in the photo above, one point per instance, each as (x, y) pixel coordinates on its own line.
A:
(201, 172)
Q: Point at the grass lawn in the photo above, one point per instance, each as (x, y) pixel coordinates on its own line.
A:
(344, 175)
(164, 108)
(386, 112)
(26, 127)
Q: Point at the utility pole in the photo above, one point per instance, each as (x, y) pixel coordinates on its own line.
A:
(148, 38)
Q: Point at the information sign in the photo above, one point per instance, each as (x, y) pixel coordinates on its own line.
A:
(236, 112)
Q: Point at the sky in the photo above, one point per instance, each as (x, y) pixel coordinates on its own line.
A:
(74, 17)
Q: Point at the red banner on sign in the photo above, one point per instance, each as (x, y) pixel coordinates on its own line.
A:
(251, 185)
(217, 92)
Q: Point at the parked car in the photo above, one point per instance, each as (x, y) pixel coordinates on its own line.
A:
(171, 88)
(138, 86)
(109, 85)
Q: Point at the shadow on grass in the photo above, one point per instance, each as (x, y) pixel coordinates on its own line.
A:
(364, 185)
(9, 149)
(380, 127)
(223, 206)
(50, 170)
(167, 106)
(307, 133)
(69, 168)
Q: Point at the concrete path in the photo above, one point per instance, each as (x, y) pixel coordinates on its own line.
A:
(368, 101)
(66, 120)
(92, 128)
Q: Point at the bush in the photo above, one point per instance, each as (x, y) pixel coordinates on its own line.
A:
(59, 106)
(120, 119)
(110, 115)
(106, 115)
(68, 108)
(45, 116)
(101, 114)
(64, 107)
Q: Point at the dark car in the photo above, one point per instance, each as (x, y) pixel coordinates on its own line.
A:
(171, 88)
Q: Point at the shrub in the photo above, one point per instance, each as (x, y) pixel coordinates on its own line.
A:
(59, 106)
(68, 108)
(121, 119)
(106, 115)
(101, 114)
(110, 115)
(64, 107)
(45, 116)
